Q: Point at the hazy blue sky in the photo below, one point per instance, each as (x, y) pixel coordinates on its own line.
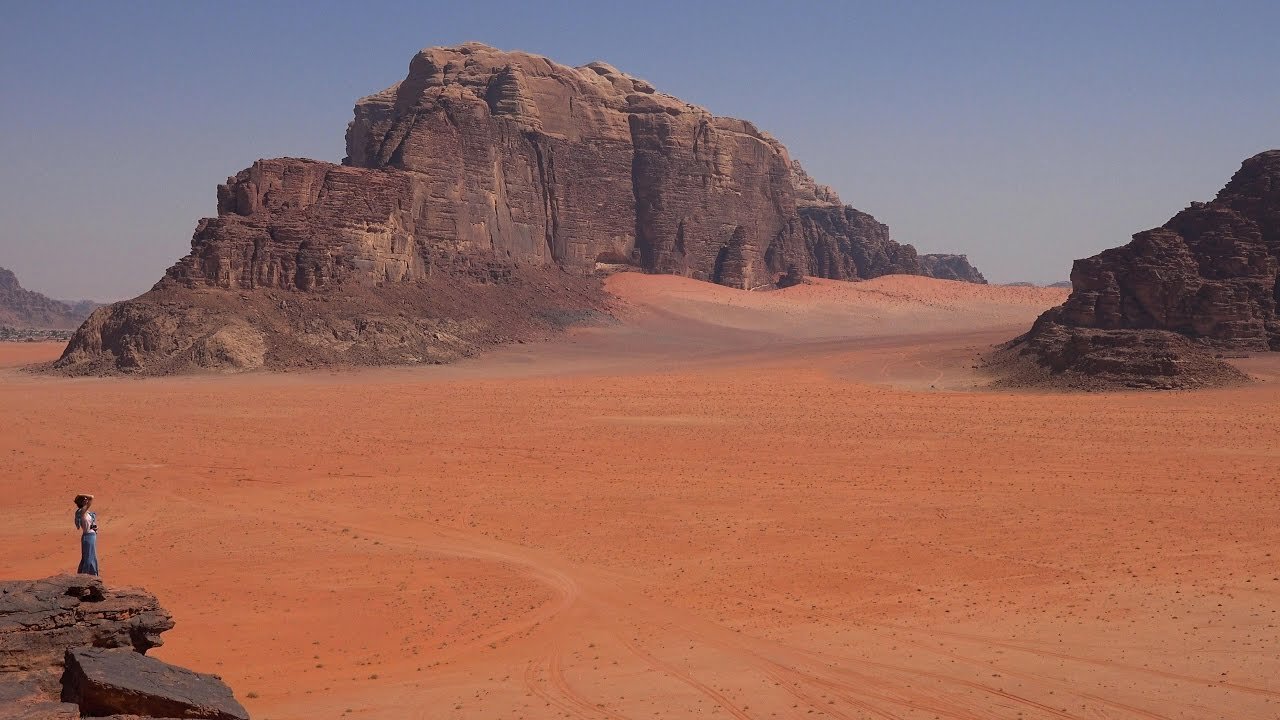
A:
(1025, 134)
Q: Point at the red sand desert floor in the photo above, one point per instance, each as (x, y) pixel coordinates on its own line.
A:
(731, 505)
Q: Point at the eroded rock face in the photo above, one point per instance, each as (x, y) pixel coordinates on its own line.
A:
(521, 156)
(846, 244)
(503, 161)
(1076, 358)
(40, 619)
(1208, 280)
(950, 267)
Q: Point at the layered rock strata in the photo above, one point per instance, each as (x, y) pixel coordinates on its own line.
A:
(502, 161)
(1162, 310)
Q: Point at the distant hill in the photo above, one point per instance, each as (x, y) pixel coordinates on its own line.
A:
(24, 309)
(1059, 284)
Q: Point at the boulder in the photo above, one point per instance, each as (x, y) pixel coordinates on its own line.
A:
(119, 681)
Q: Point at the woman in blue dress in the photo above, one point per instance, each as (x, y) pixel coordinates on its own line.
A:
(87, 523)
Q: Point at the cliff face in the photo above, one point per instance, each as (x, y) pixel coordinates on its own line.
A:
(1209, 279)
(527, 158)
(22, 308)
(504, 164)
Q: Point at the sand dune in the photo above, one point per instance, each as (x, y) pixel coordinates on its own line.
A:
(889, 305)
(738, 505)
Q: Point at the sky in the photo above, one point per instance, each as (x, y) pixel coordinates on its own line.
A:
(1025, 134)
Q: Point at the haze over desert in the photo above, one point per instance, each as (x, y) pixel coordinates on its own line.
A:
(722, 506)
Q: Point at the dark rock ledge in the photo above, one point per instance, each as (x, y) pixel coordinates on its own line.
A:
(72, 647)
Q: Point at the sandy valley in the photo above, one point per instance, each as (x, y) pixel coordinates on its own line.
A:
(796, 504)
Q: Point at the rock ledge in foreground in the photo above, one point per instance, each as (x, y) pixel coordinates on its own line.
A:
(121, 682)
(71, 647)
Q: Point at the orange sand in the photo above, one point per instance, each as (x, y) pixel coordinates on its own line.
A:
(17, 354)
(733, 505)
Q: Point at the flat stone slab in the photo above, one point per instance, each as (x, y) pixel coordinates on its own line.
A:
(122, 682)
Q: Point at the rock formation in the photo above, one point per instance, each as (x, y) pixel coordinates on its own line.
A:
(483, 166)
(1155, 312)
(950, 267)
(26, 309)
(71, 647)
(842, 243)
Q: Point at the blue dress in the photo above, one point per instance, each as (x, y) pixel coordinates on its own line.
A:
(88, 544)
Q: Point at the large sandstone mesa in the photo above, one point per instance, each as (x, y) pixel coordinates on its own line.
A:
(26, 309)
(482, 166)
(72, 647)
(1160, 311)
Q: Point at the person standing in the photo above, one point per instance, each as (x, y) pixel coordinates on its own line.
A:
(87, 523)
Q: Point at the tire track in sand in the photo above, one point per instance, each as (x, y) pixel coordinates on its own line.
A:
(674, 672)
(1107, 663)
(569, 700)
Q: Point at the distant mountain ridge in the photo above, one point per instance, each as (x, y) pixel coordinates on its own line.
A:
(28, 309)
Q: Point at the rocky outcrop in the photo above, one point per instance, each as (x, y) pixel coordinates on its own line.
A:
(1075, 358)
(443, 317)
(70, 646)
(950, 267)
(40, 619)
(842, 243)
(846, 244)
(504, 163)
(1160, 311)
(26, 309)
